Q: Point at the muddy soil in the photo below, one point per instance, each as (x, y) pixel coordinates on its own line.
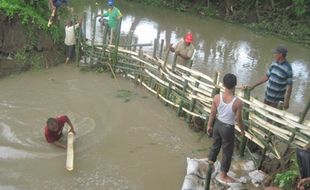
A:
(20, 44)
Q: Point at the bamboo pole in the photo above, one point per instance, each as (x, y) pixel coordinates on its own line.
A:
(245, 115)
(182, 101)
(208, 177)
(93, 21)
(77, 47)
(129, 39)
(155, 47)
(174, 63)
(216, 90)
(193, 103)
(84, 33)
(161, 48)
(135, 42)
(70, 151)
(84, 25)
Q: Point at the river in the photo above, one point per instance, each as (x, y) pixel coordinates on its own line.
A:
(220, 46)
(124, 140)
(129, 141)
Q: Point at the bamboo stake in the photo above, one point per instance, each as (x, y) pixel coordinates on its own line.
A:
(216, 90)
(174, 63)
(93, 21)
(182, 102)
(208, 177)
(245, 115)
(161, 48)
(155, 47)
(193, 103)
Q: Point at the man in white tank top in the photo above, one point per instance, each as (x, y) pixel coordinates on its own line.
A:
(228, 109)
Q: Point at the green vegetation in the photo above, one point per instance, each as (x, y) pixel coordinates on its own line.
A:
(287, 179)
(289, 19)
(34, 14)
(127, 95)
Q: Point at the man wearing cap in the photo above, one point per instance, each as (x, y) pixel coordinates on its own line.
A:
(114, 15)
(184, 49)
(279, 77)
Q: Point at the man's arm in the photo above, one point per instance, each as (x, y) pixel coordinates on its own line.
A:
(239, 116)
(120, 15)
(303, 182)
(59, 144)
(212, 116)
(261, 81)
(287, 96)
(182, 55)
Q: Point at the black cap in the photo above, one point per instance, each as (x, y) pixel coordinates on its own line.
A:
(281, 49)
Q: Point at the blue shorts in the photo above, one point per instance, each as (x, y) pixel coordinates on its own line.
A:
(58, 3)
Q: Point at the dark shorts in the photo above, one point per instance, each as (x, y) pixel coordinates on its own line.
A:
(70, 51)
(57, 3)
(273, 104)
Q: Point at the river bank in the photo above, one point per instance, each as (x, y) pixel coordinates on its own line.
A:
(25, 40)
(287, 21)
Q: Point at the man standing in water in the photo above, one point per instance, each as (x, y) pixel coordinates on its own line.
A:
(228, 109)
(53, 130)
(184, 49)
(279, 77)
(114, 15)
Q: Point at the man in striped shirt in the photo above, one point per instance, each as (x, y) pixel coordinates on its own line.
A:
(279, 77)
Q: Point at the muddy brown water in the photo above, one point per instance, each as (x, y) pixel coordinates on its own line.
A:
(220, 46)
(127, 141)
(132, 142)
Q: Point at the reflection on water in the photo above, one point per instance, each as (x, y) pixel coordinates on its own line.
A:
(219, 46)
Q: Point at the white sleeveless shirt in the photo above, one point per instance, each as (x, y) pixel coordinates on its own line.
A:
(225, 111)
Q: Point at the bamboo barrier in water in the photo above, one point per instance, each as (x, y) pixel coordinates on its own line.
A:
(190, 92)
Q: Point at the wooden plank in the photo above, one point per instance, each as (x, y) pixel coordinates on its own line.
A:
(70, 151)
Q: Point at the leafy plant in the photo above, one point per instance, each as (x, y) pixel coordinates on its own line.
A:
(286, 179)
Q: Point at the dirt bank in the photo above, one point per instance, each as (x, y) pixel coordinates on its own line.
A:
(24, 46)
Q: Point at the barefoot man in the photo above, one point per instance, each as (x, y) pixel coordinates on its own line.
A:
(228, 109)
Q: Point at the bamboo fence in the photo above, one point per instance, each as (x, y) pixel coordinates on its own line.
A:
(190, 93)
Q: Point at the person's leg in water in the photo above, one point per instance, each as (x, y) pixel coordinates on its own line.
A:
(70, 53)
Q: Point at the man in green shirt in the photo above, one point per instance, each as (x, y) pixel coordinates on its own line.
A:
(114, 15)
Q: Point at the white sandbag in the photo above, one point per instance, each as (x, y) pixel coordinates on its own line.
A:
(196, 173)
(257, 177)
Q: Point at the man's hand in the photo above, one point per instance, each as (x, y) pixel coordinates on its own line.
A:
(72, 130)
(247, 87)
(209, 131)
(242, 133)
(286, 105)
